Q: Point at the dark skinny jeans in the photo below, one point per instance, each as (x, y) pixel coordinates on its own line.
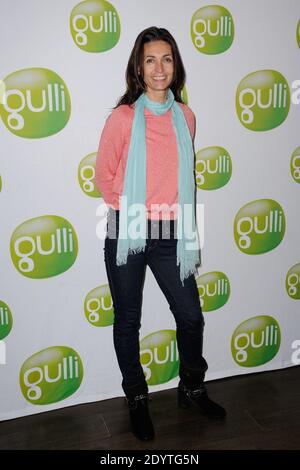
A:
(126, 287)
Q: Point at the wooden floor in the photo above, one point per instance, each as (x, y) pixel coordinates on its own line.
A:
(263, 413)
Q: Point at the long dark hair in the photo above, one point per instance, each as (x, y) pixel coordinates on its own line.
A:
(135, 82)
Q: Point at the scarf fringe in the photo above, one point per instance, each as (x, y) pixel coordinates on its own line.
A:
(185, 273)
(188, 266)
(133, 251)
(122, 257)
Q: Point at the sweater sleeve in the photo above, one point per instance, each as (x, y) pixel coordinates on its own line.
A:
(109, 154)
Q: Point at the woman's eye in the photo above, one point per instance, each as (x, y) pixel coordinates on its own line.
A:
(167, 59)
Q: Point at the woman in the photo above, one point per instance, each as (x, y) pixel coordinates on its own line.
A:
(146, 160)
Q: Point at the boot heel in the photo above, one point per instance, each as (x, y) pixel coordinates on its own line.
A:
(183, 400)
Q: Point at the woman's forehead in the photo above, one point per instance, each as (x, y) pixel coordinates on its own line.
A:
(157, 48)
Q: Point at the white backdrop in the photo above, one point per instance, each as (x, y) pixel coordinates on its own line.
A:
(53, 354)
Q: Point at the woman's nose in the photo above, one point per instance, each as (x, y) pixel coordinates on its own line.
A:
(159, 67)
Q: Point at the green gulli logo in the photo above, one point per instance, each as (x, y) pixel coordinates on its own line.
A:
(95, 25)
(213, 168)
(256, 341)
(295, 165)
(159, 357)
(44, 246)
(214, 290)
(36, 103)
(51, 375)
(98, 307)
(212, 29)
(262, 100)
(259, 226)
(6, 320)
(86, 175)
(293, 282)
(298, 33)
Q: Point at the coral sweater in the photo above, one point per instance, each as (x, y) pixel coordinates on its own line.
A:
(162, 159)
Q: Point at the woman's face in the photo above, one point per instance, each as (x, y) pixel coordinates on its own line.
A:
(158, 68)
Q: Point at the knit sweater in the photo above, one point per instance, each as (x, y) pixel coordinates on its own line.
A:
(161, 164)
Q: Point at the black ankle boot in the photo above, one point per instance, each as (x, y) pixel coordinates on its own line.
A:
(140, 420)
(198, 397)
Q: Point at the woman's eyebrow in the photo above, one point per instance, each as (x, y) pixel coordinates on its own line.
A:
(154, 55)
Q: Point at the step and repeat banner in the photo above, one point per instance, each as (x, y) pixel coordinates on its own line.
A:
(62, 70)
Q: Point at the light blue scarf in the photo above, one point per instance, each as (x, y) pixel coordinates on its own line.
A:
(130, 239)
